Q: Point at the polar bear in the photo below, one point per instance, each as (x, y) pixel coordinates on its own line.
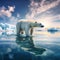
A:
(27, 27)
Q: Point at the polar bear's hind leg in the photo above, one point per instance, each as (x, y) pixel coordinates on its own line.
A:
(27, 31)
(17, 28)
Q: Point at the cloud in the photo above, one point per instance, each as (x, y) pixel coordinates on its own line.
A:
(6, 12)
(43, 12)
(36, 8)
(57, 19)
(11, 8)
(49, 20)
(13, 20)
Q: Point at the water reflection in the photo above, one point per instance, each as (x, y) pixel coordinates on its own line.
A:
(25, 41)
(27, 44)
(16, 46)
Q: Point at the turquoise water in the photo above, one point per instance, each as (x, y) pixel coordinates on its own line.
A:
(42, 46)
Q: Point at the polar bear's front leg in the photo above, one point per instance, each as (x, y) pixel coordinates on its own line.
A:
(31, 31)
(27, 31)
(18, 31)
(17, 28)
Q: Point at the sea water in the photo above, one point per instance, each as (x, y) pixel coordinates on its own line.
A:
(13, 47)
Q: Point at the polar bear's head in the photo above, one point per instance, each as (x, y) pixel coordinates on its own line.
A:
(38, 25)
(35, 24)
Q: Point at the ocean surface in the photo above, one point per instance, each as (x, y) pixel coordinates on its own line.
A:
(43, 45)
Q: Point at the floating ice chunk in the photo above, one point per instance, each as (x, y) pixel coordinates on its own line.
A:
(11, 56)
(48, 53)
(9, 50)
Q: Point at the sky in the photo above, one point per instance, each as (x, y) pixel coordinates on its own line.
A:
(45, 11)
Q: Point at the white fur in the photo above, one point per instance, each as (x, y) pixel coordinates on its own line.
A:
(25, 26)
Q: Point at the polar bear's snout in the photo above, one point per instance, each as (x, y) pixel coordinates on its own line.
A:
(41, 25)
